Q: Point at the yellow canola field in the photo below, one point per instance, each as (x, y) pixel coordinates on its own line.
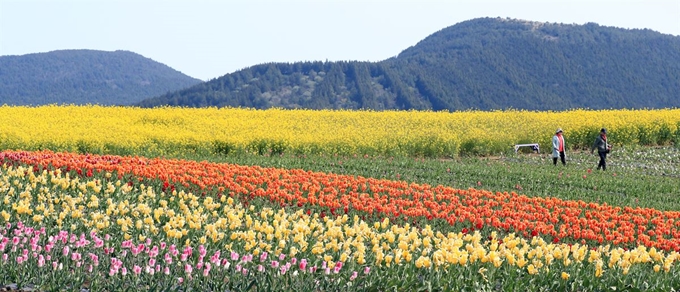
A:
(161, 131)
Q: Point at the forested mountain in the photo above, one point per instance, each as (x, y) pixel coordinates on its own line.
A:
(486, 63)
(85, 77)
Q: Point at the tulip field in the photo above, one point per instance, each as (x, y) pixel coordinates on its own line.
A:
(91, 200)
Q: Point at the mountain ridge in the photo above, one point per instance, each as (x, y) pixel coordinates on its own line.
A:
(85, 76)
(483, 63)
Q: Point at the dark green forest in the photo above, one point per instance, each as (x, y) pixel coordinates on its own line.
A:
(85, 77)
(485, 64)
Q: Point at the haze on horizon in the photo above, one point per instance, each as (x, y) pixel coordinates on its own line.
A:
(207, 39)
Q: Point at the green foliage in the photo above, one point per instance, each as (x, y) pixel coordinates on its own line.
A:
(265, 146)
(676, 136)
(481, 64)
(222, 148)
(84, 147)
(85, 77)
(430, 147)
(664, 134)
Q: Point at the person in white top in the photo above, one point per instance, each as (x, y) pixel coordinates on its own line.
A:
(558, 147)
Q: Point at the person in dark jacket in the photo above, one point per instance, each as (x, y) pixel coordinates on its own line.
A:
(602, 148)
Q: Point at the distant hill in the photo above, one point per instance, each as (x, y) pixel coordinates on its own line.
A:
(486, 63)
(85, 76)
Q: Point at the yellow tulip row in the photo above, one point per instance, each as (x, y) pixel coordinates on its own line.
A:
(164, 130)
(110, 206)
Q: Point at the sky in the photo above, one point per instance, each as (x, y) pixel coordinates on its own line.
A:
(207, 39)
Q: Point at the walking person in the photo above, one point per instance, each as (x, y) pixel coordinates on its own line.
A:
(602, 148)
(558, 147)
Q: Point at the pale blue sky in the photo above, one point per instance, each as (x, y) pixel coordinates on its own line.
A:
(207, 39)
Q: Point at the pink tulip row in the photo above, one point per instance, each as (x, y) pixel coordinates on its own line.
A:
(26, 245)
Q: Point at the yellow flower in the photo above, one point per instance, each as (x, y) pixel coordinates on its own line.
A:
(38, 218)
(532, 269)
(5, 215)
(565, 276)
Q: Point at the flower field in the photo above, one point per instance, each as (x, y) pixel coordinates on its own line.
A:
(173, 131)
(106, 222)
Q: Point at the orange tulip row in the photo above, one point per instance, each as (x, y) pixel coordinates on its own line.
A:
(472, 208)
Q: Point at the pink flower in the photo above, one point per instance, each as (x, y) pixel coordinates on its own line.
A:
(293, 261)
(367, 270)
(41, 260)
(354, 276)
(260, 268)
(154, 252)
(303, 264)
(275, 264)
(89, 268)
(152, 262)
(180, 280)
(215, 259)
(201, 251)
(98, 243)
(247, 258)
(245, 271)
(75, 256)
(66, 250)
(263, 256)
(188, 250)
(234, 256)
(188, 269)
(281, 257)
(137, 269)
(173, 250)
(166, 271)
(123, 271)
(163, 245)
(337, 268)
(94, 258)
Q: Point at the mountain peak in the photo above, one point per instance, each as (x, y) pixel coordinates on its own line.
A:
(84, 76)
(484, 63)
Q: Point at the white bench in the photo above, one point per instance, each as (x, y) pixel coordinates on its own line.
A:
(534, 147)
